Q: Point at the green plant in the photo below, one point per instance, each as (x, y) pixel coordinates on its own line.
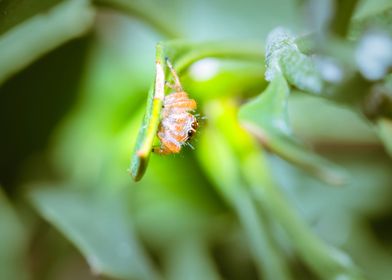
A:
(252, 200)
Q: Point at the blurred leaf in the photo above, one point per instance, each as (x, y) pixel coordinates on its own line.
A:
(14, 12)
(189, 259)
(40, 34)
(43, 94)
(170, 209)
(385, 132)
(326, 261)
(215, 20)
(372, 15)
(266, 117)
(283, 56)
(224, 169)
(269, 109)
(373, 255)
(99, 227)
(146, 11)
(370, 8)
(334, 213)
(92, 142)
(329, 73)
(13, 243)
(319, 126)
(367, 194)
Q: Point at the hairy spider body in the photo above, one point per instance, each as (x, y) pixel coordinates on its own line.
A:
(178, 124)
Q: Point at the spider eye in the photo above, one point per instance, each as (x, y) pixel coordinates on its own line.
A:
(194, 125)
(190, 133)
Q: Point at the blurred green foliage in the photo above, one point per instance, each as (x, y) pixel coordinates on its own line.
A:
(291, 173)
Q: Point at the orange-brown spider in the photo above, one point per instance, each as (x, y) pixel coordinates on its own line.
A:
(178, 124)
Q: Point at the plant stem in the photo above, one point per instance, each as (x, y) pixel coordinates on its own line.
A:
(232, 50)
(189, 259)
(327, 262)
(151, 119)
(223, 168)
(145, 11)
(263, 247)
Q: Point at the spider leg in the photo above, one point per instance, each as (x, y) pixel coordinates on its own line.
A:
(156, 149)
(160, 150)
(177, 85)
(190, 145)
(171, 86)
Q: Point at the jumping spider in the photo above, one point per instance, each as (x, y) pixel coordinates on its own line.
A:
(178, 124)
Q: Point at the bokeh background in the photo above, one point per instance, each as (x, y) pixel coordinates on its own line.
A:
(74, 78)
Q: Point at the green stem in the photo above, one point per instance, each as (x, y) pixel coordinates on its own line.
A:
(14, 242)
(343, 14)
(223, 168)
(145, 11)
(232, 50)
(151, 119)
(328, 262)
(266, 254)
(188, 258)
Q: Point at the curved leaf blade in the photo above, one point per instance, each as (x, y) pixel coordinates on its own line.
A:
(151, 120)
(266, 117)
(99, 227)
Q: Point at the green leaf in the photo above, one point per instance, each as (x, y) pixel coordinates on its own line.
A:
(266, 117)
(15, 12)
(151, 119)
(31, 39)
(283, 56)
(371, 15)
(99, 227)
(371, 8)
(13, 243)
(326, 261)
